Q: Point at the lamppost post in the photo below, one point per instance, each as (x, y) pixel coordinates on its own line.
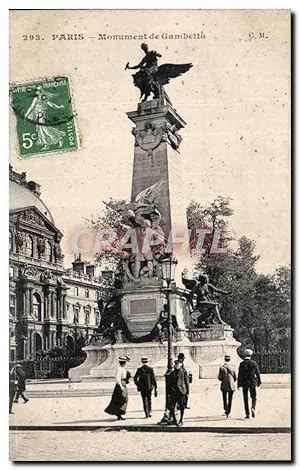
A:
(170, 348)
(168, 274)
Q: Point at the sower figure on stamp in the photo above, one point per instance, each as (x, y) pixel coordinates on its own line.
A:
(227, 377)
(145, 381)
(249, 379)
(37, 113)
(179, 389)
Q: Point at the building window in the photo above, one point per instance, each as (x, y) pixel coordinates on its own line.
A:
(11, 272)
(76, 316)
(12, 305)
(11, 244)
(76, 291)
(97, 317)
(98, 295)
(87, 317)
(29, 246)
(48, 252)
(37, 307)
(87, 293)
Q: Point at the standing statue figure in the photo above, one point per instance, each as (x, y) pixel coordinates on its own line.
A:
(147, 236)
(205, 311)
(150, 78)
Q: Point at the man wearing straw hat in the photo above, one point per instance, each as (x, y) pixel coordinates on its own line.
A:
(227, 377)
(249, 379)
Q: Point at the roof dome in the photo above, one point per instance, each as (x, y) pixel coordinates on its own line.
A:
(21, 197)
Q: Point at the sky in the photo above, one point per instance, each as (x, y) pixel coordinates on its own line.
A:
(235, 100)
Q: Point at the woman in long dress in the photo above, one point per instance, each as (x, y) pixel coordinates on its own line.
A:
(119, 399)
(37, 112)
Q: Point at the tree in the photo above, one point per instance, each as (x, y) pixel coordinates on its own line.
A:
(108, 256)
(259, 307)
(212, 218)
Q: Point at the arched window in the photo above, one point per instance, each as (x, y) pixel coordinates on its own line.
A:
(11, 241)
(76, 291)
(87, 293)
(29, 246)
(37, 342)
(48, 252)
(37, 307)
(69, 344)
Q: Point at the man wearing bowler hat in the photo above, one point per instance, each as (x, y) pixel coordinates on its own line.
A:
(145, 381)
(249, 379)
(181, 358)
(227, 377)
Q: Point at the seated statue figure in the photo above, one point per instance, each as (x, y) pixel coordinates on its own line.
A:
(199, 299)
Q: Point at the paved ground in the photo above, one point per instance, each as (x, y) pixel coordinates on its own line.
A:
(127, 446)
(234, 438)
(64, 388)
(273, 410)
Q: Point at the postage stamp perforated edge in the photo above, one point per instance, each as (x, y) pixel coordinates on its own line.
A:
(78, 134)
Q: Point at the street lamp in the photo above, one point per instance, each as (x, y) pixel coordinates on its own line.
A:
(168, 274)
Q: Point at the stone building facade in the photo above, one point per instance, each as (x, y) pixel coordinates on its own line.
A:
(49, 306)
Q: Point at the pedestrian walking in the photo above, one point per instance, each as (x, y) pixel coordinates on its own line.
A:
(145, 381)
(12, 388)
(178, 391)
(227, 377)
(21, 387)
(249, 379)
(119, 399)
(181, 358)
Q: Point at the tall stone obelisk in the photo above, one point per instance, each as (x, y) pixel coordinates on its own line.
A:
(157, 161)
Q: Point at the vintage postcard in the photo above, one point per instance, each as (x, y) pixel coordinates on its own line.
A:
(149, 235)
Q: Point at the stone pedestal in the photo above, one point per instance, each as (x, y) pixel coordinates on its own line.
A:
(203, 356)
(141, 306)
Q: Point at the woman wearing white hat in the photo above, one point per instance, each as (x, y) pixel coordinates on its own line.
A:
(119, 399)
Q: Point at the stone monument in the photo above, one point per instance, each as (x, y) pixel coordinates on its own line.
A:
(133, 319)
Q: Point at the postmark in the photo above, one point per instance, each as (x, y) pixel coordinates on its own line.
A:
(45, 116)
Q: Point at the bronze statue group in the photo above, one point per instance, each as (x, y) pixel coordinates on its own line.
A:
(178, 387)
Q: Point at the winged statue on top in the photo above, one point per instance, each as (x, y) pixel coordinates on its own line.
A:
(151, 78)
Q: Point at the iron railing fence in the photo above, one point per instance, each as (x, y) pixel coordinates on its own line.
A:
(269, 362)
(49, 367)
(273, 362)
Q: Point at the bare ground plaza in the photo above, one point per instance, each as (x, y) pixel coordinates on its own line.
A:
(87, 433)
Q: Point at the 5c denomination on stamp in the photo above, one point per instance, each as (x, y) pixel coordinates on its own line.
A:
(45, 116)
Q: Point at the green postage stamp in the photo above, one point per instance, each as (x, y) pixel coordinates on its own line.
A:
(45, 116)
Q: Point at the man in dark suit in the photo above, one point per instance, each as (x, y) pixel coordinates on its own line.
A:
(21, 387)
(12, 388)
(181, 358)
(249, 379)
(145, 381)
(179, 390)
(227, 377)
